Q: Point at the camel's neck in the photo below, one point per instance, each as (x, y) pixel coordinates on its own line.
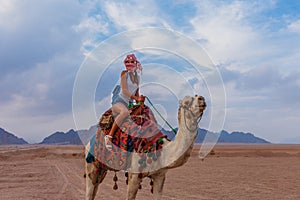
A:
(180, 149)
(175, 153)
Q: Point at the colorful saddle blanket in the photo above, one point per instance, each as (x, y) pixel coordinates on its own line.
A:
(138, 133)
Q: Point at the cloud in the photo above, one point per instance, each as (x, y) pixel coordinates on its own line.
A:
(106, 18)
(39, 58)
(254, 44)
(132, 14)
(294, 26)
(225, 30)
(34, 33)
(256, 48)
(267, 82)
(241, 32)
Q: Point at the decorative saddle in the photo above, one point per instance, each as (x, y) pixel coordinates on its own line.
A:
(139, 133)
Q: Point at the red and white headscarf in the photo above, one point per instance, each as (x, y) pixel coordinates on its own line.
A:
(132, 63)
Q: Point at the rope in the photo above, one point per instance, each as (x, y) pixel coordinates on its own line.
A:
(175, 132)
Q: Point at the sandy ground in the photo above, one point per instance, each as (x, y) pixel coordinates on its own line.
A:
(230, 172)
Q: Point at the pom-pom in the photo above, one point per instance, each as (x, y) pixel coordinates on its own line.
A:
(160, 141)
(141, 161)
(115, 186)
(149, 160)
(154, 157)
(115, 178)
(140, 175)
(151, 182)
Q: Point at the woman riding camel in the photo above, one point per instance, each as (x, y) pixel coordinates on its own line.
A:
(129, 91)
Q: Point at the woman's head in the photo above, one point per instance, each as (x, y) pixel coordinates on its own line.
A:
(132, 63)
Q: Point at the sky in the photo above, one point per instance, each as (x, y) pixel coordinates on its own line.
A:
(51, 50)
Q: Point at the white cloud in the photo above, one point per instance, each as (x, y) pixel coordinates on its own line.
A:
(226, 31)
(43, 42)
(8, 16)
(294, 26)
(133, 14)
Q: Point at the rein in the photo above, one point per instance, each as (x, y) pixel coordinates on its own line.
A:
(174, 131)
(185, 108)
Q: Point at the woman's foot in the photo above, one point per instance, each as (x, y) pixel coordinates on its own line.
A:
(108, 142)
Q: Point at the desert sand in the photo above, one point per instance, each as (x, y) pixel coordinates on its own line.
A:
(229, 172)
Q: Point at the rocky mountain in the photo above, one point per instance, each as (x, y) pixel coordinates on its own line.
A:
(71, 137)
(86, 135)
(223, 137)
(7, 138)
(240, 137)
(82, 137)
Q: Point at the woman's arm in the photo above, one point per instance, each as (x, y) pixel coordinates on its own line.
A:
(137, 93)
(124, 87)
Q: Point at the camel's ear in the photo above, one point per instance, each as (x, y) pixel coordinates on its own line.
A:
(180, 102)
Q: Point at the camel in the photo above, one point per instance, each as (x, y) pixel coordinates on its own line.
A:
(173, 154)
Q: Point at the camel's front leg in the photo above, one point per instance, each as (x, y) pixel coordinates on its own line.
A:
(133, 186)
(158, 184)
(93, 177)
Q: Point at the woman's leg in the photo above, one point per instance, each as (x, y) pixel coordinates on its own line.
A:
(122, 112)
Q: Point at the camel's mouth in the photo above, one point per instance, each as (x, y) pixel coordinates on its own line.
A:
(200, 102)
(195, 104)
(201, 107)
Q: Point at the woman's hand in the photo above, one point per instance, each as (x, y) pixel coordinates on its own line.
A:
(141, 99)
(138, 99)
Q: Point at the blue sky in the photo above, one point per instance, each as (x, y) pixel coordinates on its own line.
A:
(255, 46)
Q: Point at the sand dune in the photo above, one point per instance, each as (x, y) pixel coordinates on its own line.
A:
(229, 172)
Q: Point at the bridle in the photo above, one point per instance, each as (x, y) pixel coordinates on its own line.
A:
(188, 109)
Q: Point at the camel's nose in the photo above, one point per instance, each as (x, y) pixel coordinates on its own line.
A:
(199, 97)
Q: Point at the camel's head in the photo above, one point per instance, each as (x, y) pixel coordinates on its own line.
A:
(194, 105)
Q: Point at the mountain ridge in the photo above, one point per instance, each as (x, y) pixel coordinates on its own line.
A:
(81, 137)
(7, 138)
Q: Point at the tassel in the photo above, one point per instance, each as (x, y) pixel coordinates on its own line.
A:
(126, 175)
(151, 183)
(140, 175)
(115, 186)
(115, 179)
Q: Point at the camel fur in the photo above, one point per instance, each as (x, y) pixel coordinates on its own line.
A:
(173, 154)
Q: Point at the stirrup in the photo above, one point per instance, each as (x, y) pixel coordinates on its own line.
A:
(108, 142)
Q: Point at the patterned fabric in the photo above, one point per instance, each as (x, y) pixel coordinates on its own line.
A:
(138, 133)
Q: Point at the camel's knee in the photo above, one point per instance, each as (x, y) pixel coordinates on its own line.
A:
(93, 177)
(94, 174)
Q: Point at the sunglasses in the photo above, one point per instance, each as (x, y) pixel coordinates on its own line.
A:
(130, 62)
